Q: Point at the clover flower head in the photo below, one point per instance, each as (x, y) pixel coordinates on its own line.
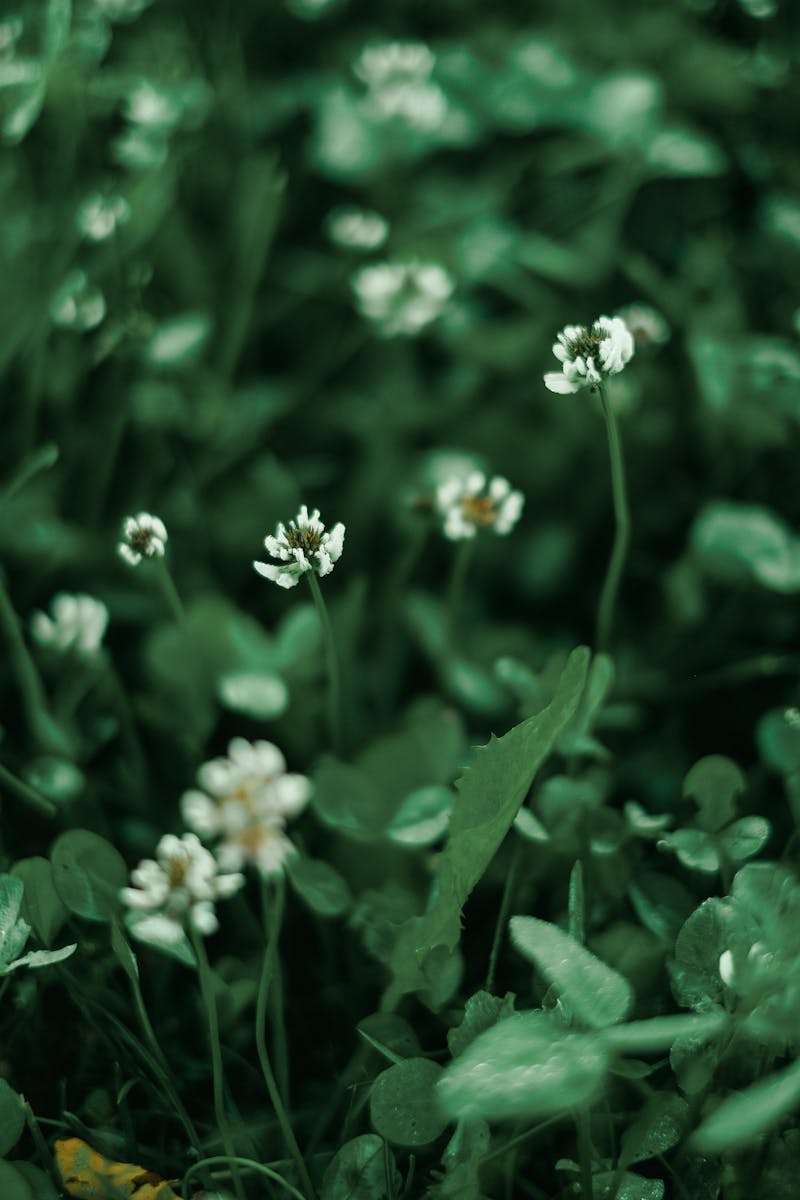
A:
(76, 623)
(401, 298)
(78, 305)
(143, 536)
(304, 545)
(645, 323)
(246, 799)
(356, 228)
(383, 62)
(589, 355)
(178, 887)
(99, 215)
(468, 503)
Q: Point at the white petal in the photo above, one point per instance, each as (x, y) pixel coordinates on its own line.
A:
(292, 793)
(200, 813)
(203, 918)
(556, 381)
(130, 556)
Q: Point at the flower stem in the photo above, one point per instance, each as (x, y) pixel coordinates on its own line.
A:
(272, 915)
(455, 592)
(332, 658)
(210, 1004)
(585, 1154)
(42, 725)
(608, 596)
(170, 592)
(505, 904)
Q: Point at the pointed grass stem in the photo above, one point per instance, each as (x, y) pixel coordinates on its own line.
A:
(217, 1068)
(272, 904)
(332, 660)
(622, 520)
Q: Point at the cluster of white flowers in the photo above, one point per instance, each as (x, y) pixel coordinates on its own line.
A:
(401, 298)
(356, 228)
(645, 323)
(468, 503)
(78, 304)
(77, 623)
(99, 215)
(143, 536)
(304, 545)
(246, 800)
(399, 84)
(178, 887)
(589, 355)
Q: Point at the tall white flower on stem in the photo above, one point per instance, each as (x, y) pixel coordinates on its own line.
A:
(305, 547)
(469, 503)
(76, 623)
(590, 355)
(246, 799)
(143, 536)
(175, 892)
(301, 546)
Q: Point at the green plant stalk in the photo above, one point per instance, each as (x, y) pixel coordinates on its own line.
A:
(42, 1149)
(34, 701)
(622, 519)
(31, 797)
(272, 915)
(217, 1069)
(585, 1154)
(332, 660)
(249, 1163)
(160, 1057)
(455, 593)
(502, 914)
(170, 592)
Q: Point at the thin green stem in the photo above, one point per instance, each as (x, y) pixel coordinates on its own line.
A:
(170, 592)
(42, 1148)
(622, 518)
(217, 1069)
(31, 797)
(585, 1154)
(455, 593)
(272, 914)
(249, 1163)
(34, 701)
(332, 659)
(505, 904)
(41, 460)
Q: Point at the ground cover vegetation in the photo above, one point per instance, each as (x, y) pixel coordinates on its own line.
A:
(399, 562)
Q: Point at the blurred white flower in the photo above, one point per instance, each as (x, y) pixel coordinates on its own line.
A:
(468, 503)
(588, 356)
(303, 545)
(399, 85)
(77, 622)
(384, 62)
(144, 536)
(645, 323)
(356, 228)
(150, 107)
(78, 304)
(402, 297)
(99, 215)
(246, 800)
(178, 887)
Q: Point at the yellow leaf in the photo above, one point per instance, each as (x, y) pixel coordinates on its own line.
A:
(86, 1175)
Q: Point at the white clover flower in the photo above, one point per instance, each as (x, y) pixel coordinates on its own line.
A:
(645, 323)
(144, 536)
(401, 298)
(385, 62)
(151, 108)
(302, 546)
(78, 304)
(179, 887)
(246, 800)
(588, 356)
(356, 228)
(99, 215)
(399, 85)
(77, 623)
(468, 503)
